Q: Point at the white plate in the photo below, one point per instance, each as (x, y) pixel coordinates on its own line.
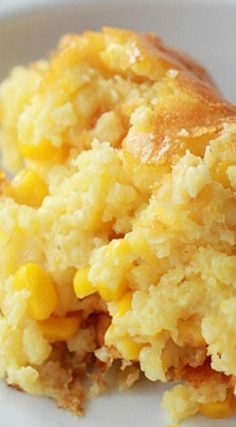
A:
(28, 28)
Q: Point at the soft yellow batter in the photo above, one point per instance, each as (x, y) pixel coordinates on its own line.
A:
(117, 235)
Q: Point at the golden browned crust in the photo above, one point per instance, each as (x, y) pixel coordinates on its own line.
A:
(189, 109)
(176, 57)
(148, 50)
(144, 48)
(189, 112)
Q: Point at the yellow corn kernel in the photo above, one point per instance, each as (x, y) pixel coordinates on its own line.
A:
(118, 258)
(82, 286)
(43, 298)
(219, 409)
(112, 294)
(128, 348)
(125, 304)
(43, 150)
(122, 247)
(27, 188)
(59, 328)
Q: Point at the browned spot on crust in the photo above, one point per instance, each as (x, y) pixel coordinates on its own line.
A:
(15, 386)
(149, 57)
(175, 57)
(61, 377)
(100, 322)
(200, 375)
(188, 114)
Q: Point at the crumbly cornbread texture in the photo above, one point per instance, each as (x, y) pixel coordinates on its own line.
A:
(117, 236)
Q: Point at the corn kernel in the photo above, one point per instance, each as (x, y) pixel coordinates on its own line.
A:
(112, 294)
(219, 409)
(59, 328)
(125, 304)
(119, 259)
(43, 298)
(121, 247)
(81, 283)
(44, 150)
(128, 349)
(27, 188)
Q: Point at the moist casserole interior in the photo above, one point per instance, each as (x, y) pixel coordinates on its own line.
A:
(117, 232)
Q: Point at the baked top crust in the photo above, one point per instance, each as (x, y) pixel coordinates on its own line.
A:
(127, 73)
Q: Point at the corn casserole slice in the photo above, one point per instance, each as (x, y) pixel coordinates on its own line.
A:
(117, 232)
